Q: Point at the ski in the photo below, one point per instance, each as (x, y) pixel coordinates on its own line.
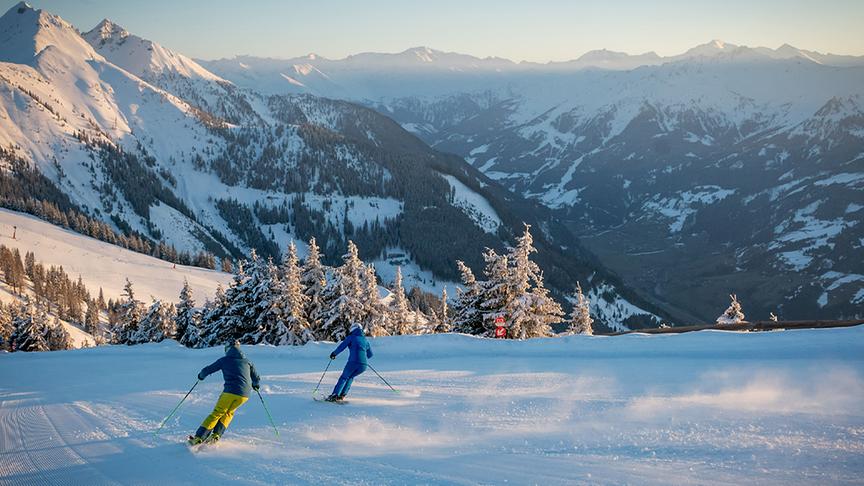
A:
(322, 400)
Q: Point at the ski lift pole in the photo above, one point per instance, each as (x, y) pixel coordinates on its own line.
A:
(267, 411)
(382, 378)
(176, 408)
(315, 391)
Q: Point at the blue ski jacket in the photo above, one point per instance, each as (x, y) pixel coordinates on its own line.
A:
(358, 347)
(239, 373)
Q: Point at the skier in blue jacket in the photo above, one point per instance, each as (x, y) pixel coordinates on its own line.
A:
(240, 378)
(359, 352)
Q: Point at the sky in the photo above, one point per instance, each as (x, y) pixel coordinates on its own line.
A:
(535, 30)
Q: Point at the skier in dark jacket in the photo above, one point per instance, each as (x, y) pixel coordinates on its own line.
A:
(240, 378)
(359, 352)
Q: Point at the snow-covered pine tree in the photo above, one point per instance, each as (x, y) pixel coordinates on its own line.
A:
(6, 327)
(210, 317)
(128, 315)
(580, 317)
(528, 309)
(496, 290)
(733, 314)
(399, 315)
(443, 324)
(157, 324)
(91, 319)
(58, 337)
(467, 311)
(234, 316)
(344, 297)
(186, 314)
(313, 280)
(30, 325)
(284, 323)
(376, 320)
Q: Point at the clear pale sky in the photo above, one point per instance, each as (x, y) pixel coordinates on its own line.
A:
(534, 30)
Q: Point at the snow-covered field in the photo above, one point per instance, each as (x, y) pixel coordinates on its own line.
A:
(699, 408)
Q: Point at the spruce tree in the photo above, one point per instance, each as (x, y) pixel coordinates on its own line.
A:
(375, 320)
(443, 314)
(57, 337)
(6, 327)
(288, 324)
(186, 315)
(31, 328)
(313, 279)
(399, 307)
(580, 316)
(156, 325)
(128, 315)
(344, 297)
(467, 311)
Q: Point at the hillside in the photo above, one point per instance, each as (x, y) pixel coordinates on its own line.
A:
(149, 142)
(726, 168)
(698, 408)
(102, 265)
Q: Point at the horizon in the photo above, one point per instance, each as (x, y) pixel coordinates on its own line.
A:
(335, 41)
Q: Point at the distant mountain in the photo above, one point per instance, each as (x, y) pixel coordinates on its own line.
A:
(725, 168)
(128, 132)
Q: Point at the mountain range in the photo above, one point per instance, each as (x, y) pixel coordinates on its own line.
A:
(664, 182)
(124, 131)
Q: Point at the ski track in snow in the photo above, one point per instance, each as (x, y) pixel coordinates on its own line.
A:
(699, 408)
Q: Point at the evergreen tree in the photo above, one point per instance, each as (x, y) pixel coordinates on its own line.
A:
(580, 317)
(6, 327)
(467, 312)
(156, 325)
(211, 316)
(443, 314)
(733, 314)
(128, 315)
(344, 297)
(399, 307)
(31, 327)
(57, 337)
(376, 320)
(313, 279)
(288, 324)
(186, 315)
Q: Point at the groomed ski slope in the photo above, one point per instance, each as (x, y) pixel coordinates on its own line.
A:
(105, 265)
(699, 408)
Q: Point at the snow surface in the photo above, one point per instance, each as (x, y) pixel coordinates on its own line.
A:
(474, 205)
(104, 265)
(698, 408)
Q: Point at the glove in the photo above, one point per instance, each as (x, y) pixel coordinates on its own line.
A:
(256, 386)
(332, 355)
(200, 377)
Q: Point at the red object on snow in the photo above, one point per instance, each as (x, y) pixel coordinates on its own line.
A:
(500, 332)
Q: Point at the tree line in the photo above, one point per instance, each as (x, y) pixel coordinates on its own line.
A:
(294, 302)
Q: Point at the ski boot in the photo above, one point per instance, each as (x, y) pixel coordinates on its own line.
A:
(340, 398)
(216, 434)
(332, 398)
(201, 435)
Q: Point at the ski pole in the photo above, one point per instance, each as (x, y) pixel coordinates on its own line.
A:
(322, 378)
(268, 413)
(175, 408)
(382, 378)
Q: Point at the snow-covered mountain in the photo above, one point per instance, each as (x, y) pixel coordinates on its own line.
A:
(126, 131)
(654, 159)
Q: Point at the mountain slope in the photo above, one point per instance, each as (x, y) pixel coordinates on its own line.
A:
(724, 169)
(162, 148)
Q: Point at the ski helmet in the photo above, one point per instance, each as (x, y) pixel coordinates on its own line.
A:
(232, 344)
(356, 325)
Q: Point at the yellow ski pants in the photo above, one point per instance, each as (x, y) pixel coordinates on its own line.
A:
(224, 410)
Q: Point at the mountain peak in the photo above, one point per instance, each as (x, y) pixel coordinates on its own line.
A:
(25, 32)
(107, 30)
